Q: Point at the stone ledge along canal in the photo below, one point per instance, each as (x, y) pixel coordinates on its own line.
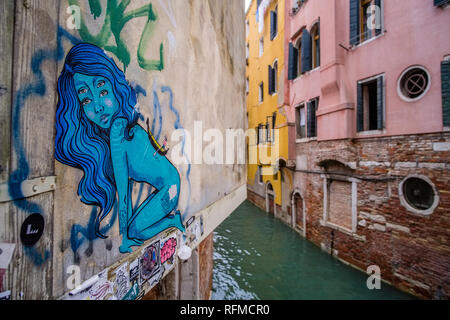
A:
(258, 257)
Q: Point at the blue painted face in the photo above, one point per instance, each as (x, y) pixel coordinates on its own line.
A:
(96, 98)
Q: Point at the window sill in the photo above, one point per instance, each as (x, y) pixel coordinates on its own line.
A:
(306, 73)
(354, 47)
(303, 140)
(342, 229)
(370, 133)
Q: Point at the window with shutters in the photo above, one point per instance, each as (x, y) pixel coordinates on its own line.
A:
(273, 78)
(247, 86)
(366, 20)
(315, 37)
(247, 53)
(295, 58)
(311, 124)
(370, 104)
(261, 46)
(261, 92)
(300, 121)
(247, 28)
(274, 23)
(274, 121)
(261, 134)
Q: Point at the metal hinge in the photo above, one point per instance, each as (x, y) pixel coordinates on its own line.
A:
(28, 188)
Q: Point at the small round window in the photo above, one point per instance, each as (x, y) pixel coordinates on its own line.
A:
(418, 195)
(413, 83)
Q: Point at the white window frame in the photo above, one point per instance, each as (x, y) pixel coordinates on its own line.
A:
(327, 178)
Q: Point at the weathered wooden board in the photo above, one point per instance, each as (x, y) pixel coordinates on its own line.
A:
(34, 83)
(30, 130)
(6, 42)
(29, 274)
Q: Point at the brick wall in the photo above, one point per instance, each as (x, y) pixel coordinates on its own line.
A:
(412, 251)
(256, 199)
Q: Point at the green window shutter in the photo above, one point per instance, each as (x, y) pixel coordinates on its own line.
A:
(293, 62)
(440, 3)
(273, 24)
(445, 75)
(270, 80)
(306, 51)
(311, 119)
(378, 30)
(354, 22)
(359, 109)
(380, 103)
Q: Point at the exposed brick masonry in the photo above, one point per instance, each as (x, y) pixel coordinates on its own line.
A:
(412, 251)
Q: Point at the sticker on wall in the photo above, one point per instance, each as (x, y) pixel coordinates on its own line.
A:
(6, 252)
(122, 284)
(5, 295)
(133, 293)
(196, 230)
(32, 229)
(100, 290)
(134, 270)
(168, 249)
(150, 262)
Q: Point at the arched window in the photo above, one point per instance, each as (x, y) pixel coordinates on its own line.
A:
(315, 39)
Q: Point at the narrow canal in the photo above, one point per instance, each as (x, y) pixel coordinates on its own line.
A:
(258, 257)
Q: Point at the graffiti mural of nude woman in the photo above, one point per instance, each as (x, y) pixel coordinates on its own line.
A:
(97, 131)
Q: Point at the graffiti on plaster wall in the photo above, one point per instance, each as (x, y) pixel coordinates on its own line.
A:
(97, 131)
(115, 20)
(37, 87)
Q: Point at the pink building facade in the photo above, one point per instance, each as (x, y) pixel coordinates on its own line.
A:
(367, 102)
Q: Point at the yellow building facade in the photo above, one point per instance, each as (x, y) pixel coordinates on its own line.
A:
(265, 96)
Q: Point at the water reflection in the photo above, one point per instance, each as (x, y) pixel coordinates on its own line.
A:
(258, 257)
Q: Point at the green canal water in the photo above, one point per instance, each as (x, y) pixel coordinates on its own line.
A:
(258, 257)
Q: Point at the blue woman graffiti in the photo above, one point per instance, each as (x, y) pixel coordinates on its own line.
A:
(97, 131)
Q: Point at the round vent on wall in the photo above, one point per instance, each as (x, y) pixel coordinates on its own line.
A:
(413, 83)
(418, 195)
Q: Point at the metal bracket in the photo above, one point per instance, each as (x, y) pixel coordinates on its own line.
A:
(29, 188)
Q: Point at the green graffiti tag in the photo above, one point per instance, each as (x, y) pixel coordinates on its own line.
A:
(115, 20)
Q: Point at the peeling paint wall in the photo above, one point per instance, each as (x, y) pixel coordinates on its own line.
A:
(184, 62)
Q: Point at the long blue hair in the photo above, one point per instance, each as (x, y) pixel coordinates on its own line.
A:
(80, 143)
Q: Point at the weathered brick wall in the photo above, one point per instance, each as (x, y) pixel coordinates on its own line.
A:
(256, 199)
(206, 249)
(412, 251)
